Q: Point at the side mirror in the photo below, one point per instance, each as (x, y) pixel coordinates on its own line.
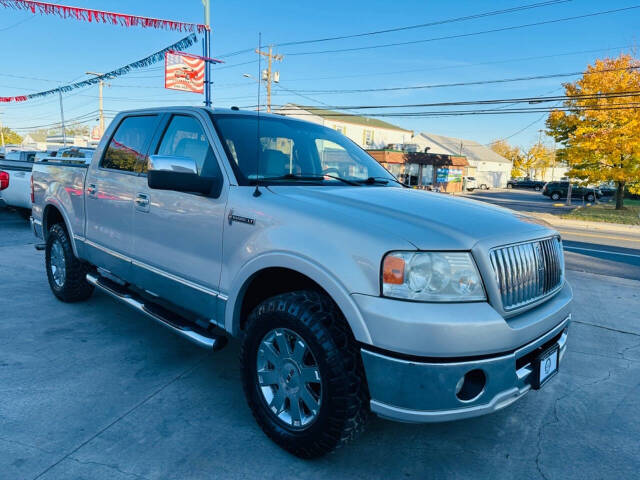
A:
(181, 175)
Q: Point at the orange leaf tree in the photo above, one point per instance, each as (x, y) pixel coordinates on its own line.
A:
(599, 126)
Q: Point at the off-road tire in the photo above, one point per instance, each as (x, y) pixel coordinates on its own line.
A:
(344, 407)
(75, 287)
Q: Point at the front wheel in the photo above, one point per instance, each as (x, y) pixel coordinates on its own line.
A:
(590, 197)
(66, 273)
(555, 196)
(302, 374)
(509, 185)
(537, 189)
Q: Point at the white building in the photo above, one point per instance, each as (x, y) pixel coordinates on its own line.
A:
(486, 165)
(369, 133)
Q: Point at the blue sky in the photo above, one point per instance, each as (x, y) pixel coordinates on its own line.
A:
(41, 52)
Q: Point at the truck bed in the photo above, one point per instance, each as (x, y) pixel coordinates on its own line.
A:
(60, 182)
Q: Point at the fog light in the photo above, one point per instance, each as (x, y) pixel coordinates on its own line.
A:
(471, 385)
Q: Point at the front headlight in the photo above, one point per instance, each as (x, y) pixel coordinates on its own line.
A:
(431, 277)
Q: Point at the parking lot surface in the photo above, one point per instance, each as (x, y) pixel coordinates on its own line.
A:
(96, 391)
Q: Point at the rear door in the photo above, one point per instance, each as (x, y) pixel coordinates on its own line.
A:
(177, 244)
(110, 191)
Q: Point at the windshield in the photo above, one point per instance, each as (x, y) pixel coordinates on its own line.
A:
(292, 151)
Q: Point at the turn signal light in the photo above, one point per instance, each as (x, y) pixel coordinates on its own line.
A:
(393, 270)
(4, 180)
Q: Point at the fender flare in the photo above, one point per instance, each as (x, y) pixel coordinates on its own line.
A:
(304, 266)
(51, 202)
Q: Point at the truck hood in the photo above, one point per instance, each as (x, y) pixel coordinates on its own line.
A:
(428, 220)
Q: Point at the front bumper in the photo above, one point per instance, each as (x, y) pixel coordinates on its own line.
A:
(414, 391)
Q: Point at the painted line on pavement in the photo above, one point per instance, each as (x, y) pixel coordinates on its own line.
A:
(595, 235)
(610, 252)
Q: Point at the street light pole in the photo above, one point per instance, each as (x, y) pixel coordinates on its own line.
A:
(100, 106)
(64, 132)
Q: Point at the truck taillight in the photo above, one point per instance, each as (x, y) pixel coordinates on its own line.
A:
(33, 193)
(4, 180)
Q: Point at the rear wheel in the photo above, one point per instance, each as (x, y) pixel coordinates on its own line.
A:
(66, 274)
(537, 188)
(590, 197)
(302, 374)
(509, 185)
(555, 196)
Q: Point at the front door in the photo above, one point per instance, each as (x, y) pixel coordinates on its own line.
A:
(177, 244)
(110, 191)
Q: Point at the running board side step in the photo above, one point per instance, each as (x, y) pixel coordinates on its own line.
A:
(203, 339)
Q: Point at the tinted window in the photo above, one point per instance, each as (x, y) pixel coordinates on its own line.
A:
(185, 137)
(127, 146)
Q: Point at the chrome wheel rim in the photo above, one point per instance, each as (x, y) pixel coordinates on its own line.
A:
(57, 261)
(289, 378)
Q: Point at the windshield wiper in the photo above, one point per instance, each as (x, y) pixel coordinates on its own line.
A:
(380, 181)
(311, 178)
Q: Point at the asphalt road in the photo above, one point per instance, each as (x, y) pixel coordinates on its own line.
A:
(95, 391)
(599, 251)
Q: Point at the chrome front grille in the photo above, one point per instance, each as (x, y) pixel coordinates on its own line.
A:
(526, 272)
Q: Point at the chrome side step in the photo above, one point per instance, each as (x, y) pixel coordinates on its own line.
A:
(205, 339)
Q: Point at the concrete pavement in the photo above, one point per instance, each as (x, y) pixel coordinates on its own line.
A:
(95, 391)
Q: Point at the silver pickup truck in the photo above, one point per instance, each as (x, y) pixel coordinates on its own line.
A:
(350, 293)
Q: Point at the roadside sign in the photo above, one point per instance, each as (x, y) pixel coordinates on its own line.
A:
(184, 72)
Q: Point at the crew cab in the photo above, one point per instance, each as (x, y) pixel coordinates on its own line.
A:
(350, 293)
(558, 190)
(536, 185)
(15, 180)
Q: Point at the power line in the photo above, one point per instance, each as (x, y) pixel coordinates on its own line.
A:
(462, 84)
(430, 24)
(470, 34)
(467, 65)
(407, 27)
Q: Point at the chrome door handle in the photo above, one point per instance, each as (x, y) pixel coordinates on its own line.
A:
(91, 189)
(142, 202)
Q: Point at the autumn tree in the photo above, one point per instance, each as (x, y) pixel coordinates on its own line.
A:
(539, 158)
(512, 153)
(599, 126)
(10, 137)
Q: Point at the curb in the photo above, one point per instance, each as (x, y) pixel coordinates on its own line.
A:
(611, 227)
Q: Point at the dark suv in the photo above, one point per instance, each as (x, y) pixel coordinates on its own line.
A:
(526, 183)
(558, 190)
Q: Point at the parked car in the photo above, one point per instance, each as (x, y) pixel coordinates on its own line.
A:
(15, 180)
(558, 190)
(470, 183)
(350, 294)
(526, 183)
(608, 189)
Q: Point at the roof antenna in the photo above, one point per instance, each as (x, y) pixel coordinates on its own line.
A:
(257, 192)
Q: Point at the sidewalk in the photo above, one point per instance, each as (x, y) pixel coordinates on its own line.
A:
(586, 225)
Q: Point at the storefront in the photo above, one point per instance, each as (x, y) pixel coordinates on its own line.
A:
(422, 170)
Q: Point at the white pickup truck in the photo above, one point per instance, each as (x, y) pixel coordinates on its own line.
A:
(15, 180)
(350, 293)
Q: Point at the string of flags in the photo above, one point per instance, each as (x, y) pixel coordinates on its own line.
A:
(145, 62)
(101, 16)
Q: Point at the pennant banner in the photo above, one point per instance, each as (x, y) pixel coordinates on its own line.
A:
(101, 16)
(145, 62)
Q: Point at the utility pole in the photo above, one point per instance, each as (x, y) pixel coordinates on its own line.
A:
(64, 132)
(101, 109)
(206, 52)
(268, 76)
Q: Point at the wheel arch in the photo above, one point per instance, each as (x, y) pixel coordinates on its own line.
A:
(53, 214)
(271, 274)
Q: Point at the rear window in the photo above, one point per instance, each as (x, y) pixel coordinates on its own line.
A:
(127, 148)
